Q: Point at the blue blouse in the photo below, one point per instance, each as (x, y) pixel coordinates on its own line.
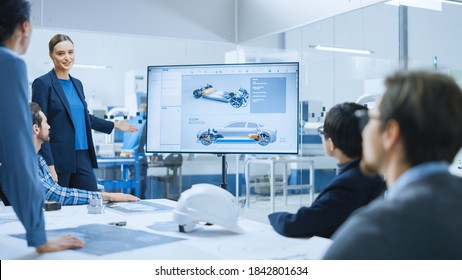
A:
(78, 114)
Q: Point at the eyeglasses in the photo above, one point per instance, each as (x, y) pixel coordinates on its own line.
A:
(321, 131)
(363, 118)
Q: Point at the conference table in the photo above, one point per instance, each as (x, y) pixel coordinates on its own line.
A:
(145, 230)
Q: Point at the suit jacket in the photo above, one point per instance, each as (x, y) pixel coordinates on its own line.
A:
(423, 221)
(60, 151)
(348, 191)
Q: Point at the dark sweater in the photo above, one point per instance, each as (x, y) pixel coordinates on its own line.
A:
(348, 191)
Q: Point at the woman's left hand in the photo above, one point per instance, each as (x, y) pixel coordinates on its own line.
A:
(124, 126)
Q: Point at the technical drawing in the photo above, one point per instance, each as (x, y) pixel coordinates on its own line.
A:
(238, 132)
(237, 98)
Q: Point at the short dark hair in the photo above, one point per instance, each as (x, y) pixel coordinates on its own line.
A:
(12, 14)
(342, 127)
(428, 109)
(35, 112)
(56, 39)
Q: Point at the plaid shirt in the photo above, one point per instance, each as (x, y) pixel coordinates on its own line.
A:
(65, 196)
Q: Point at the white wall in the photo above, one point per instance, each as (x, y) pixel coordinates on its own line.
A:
(207, 20)
(329, 77)
(122, 53)
(114, 26)
(210, 20)
(334, 77)
(258, 18)
(441, 38)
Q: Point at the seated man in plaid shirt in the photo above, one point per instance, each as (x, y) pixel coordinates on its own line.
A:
(53, 191)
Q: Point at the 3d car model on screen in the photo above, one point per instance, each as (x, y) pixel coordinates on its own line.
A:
(235, 98)
(238, 132)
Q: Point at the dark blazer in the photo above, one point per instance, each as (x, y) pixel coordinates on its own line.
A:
(421, 221)
(348, 191)
(60, 151)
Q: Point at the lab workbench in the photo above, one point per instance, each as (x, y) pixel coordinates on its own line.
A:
(123, 183)
(283, 183)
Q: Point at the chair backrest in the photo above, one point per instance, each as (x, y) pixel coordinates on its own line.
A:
(173, 161)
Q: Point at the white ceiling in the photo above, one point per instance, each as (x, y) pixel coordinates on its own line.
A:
(232, 21)
(258, 18)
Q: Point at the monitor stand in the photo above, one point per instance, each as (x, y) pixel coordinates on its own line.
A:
(223, 184)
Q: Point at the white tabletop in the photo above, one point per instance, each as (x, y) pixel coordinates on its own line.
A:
(259, 241)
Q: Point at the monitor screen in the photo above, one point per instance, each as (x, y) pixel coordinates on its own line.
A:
(223, 108)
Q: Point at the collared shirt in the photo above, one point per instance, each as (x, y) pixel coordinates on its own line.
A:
(65, 196)
(416, 173)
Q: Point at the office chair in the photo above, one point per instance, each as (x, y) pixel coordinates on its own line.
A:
(172, 165)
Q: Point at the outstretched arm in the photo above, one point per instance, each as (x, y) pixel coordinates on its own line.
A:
(125, 126)
(63, 195)
(119, 197)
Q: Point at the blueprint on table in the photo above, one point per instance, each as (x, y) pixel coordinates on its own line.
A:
(103, 239)
(8, 219)
(138, 207)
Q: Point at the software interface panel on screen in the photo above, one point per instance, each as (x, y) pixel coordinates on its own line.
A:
(229, 108)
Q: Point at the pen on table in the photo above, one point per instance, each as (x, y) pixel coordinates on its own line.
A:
(119, 224)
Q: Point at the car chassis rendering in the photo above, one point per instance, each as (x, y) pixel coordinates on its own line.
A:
(237, 99)
(238, 131)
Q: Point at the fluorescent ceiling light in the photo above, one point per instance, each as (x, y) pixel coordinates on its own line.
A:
(452, 2)
(424, 4)
(91, 66)
(344, 50)
(87, 66)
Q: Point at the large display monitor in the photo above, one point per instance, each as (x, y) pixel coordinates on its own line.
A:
(223, 108)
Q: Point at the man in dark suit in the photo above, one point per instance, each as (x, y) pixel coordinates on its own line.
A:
(348, 191)
(411, 137)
